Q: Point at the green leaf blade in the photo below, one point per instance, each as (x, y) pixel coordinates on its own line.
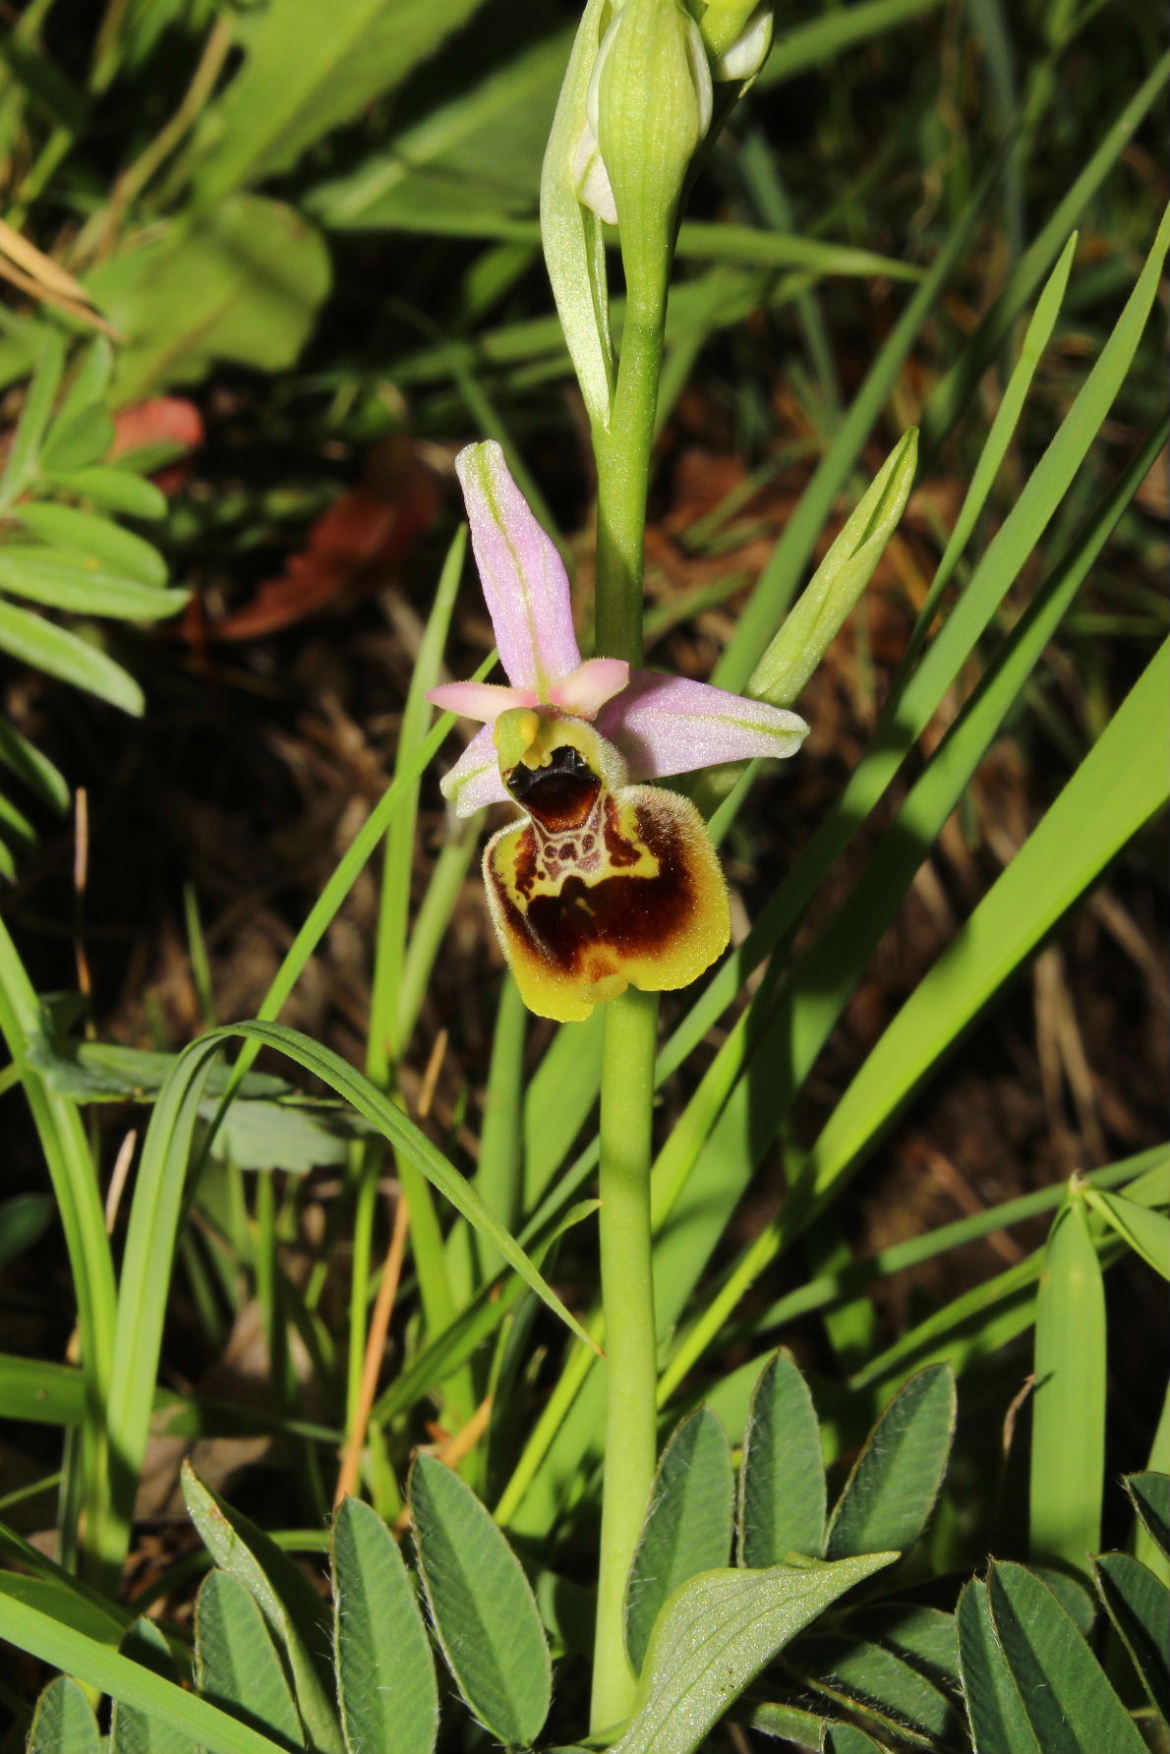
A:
(98, 1665)
(132, 1730)
(243, 283)
(688, 1525)
(999, 1723)
(291, 1606)
(305, 72)
(1138, 1603)
(63, 580)
(98, 543)
(782, 1494)
(236, 1662)
(1150, 1493)
(483, 1610)
(43, 646)
(1146, 1232)
(715, 1635)
(385, 1672)
(63, 1722)
(894, 1483)
(1068, 1699)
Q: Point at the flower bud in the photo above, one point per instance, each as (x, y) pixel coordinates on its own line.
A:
(745, 54)
(740, 29)
(650, 106)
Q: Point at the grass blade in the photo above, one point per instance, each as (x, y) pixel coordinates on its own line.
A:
(1068, 1403)
(31, 1629)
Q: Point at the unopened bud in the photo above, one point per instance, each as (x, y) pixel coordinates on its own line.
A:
(745, 54)
(650, 106)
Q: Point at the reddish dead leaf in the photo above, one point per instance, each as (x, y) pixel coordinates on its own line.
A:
(164, 420)
(364, 535)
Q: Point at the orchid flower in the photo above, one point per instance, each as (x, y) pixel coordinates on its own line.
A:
(604, 884)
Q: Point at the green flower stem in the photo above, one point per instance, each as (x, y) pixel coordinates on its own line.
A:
(631, 1033)
(623, 470)
(631, 1365)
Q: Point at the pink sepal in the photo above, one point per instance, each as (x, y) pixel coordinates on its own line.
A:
(667, 724)
(524, 582)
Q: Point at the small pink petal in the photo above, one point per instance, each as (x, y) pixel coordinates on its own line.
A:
(484, 701)
(590, 685)
(475, 780)
(667, 724)
(524, 583)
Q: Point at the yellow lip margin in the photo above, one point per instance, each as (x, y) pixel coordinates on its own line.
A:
(656, 917)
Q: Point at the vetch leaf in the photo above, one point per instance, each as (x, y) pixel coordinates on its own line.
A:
(880, 1684)
(34, 418)
(43, 646)
(82, 429)
(244, 284)
(896, 1478)
(1068, 1404)
(63, 1722)
(275, 1135)
(1138, 1603)
(484, 1613)
(715, 1635)
(36, 770)
(78, 437)
(999, 1723)
(237, 1664)
(288, 1601)
(926, 1637)
(848, 1739)
(782, 1480)
(96, 542)
(1075, 1597)
(688, 1525)
(385, 1672)
(132, 1730)
(1150, 1493)
(63, 580)
(1066, 1695)
(114, 490)
(788, 1722)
